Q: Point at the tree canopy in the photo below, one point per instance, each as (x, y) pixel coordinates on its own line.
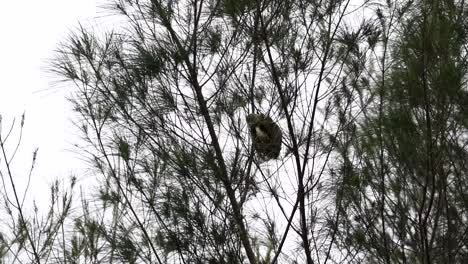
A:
(371, 100)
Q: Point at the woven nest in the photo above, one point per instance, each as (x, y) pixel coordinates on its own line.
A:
(266, 136)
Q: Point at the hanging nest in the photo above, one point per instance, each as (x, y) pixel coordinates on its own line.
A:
(266, 136)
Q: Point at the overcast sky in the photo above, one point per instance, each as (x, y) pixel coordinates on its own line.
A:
(29, 32)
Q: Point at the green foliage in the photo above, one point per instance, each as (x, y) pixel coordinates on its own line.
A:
(126, 248)
(374, 119)
(236, 8)
(3, 247)
(150, 61)
(399, 167)
(124, 149)
(77, 247)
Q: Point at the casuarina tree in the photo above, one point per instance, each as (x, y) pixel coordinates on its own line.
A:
(163, 100)
(402, 178)
(368, 99)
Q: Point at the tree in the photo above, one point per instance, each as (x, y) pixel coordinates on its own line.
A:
(372, 109)
(25, 236)
(402, 179)
(163, 104)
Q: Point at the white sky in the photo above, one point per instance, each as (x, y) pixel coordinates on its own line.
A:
(30, 31)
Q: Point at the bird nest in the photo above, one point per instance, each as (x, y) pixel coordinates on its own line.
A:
(266, 136)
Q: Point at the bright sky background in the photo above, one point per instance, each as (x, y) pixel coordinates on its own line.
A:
(30, 31)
